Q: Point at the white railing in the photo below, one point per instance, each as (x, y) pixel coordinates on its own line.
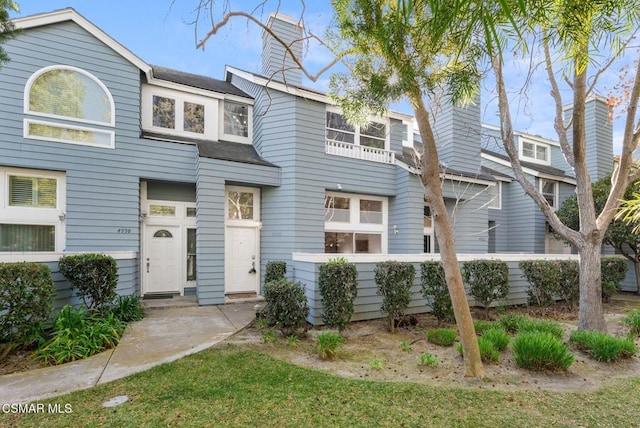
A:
(354, 151)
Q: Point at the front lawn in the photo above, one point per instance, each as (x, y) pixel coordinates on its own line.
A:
(232, 386)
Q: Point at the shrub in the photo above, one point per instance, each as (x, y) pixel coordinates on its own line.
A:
(543, 277)
(435, 291)
(328, 344)
(512, 322)
(441, 336)
(498, 337)
(613, 270)
(94, 276)
(568, 289)
(488, 280)
(488, 351)
(480, 326)
(26, 299)
(286, 306)
(603, 347)
(633, 321)
(544, 326)
(428, 360)
(338, 286)
(536, 350)
(127, 309)
(275, 270)
(394, 280)
(76, 335)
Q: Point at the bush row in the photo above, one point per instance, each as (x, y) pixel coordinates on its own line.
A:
(27, 292)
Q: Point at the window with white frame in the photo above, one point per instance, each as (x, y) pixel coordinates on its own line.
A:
(355, 223)
(32, 205)
(535, 151)
(549, 189)
(495, 196)
(429, 244)
(236, 119)
(179, 113)
(372, 135)
(70, 105)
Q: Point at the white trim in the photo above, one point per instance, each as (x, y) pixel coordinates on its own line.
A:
(556, 191)
(69, 14)
(522, 140)
(211, 112)
(37, 74)
(53, 257)
(357, 129)
(110, 134)
(446, 176)
(419, 258)
(230, 137)
(498, 184)
(33, 215)
(255, 221)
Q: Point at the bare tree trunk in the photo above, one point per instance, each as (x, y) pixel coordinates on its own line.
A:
(591, 311)
(636, 269)
(444, 232)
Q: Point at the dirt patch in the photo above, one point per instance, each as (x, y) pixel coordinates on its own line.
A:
(371, 352)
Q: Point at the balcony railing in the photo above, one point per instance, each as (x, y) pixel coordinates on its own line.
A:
(354, 151)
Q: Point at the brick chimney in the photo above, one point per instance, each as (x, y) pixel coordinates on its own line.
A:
(277, 63)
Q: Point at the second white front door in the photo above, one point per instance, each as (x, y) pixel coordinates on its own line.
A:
(242, 240)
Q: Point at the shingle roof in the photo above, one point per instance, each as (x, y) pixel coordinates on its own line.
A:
(223, 150)
(409, 154)
(197, 81)
(234, 152)
(546, 169)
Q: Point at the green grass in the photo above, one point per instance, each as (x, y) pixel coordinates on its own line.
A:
(229, 386)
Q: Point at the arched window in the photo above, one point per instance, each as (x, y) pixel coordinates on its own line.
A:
(72, 102)
(162, 234)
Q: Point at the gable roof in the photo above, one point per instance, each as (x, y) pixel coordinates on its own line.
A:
(197, 81)
(70, 14)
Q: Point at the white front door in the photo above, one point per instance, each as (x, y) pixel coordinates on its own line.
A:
(163, 262)
(242, 240)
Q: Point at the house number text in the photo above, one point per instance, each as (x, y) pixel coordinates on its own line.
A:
(124, 230)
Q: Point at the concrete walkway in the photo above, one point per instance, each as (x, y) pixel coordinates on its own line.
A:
(164, 335)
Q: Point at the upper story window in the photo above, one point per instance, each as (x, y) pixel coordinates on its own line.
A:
(236, 119)
(32, 205)
(70, 105)
(549, 189)
(535, 152)
(373, 135)
(186, 114)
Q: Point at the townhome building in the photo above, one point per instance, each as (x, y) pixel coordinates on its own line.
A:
(193, 183)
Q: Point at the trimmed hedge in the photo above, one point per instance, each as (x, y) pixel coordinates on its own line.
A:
(274, 271)
(435, 291)
(338, 284)
(94, 276)
(286, 306)
(543, 276)
(26, 301)
(394, 280)
(613, 269)
(488, 280)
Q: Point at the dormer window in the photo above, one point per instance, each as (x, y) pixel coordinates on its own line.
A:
(69, 105)
(236, 119)
(535, 152)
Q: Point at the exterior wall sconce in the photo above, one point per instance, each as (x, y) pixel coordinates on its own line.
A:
(396, 229)
(143, 217)
(62, 215)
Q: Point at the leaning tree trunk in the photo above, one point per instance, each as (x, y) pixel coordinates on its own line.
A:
(444, 233)
(591, 311)
(636, 269)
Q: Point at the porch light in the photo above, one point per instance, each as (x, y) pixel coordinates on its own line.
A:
(62, 215)
(396, 229)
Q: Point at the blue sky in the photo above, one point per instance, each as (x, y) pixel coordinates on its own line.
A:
(159, 32)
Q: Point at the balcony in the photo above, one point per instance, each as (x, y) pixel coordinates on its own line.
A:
(354, 151)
